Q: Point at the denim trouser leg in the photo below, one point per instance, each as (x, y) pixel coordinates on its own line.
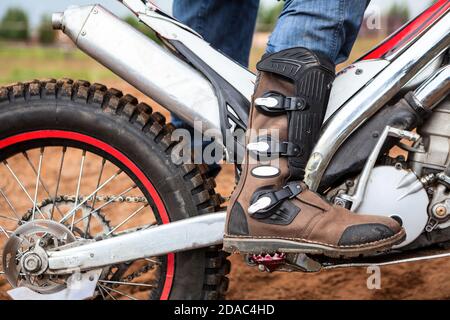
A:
(326, 26)
(228, 25)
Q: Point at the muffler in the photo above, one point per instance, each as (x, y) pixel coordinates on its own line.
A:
(434, 89)
(141, 62)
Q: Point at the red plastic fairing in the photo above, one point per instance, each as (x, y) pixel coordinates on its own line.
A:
(409, 31)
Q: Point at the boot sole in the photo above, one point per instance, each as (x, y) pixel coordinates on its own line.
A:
(248, 245)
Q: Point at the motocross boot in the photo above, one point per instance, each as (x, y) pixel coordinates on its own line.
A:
(272, 210)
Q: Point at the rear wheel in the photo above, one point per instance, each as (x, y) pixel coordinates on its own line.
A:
(100, 163)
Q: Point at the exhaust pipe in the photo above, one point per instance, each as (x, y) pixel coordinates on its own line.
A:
(434, 89)
(141, 62)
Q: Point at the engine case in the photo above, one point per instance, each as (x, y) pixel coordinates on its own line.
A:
(435, 143)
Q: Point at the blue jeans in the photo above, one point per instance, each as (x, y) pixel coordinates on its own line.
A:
(326, 26)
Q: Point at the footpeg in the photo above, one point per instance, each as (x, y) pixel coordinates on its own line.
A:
(283, 262)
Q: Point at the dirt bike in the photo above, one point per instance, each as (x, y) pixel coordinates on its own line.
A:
(94, 205)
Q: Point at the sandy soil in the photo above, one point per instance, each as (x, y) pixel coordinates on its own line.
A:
(426, 280)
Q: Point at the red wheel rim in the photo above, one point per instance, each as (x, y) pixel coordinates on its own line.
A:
(74, 136)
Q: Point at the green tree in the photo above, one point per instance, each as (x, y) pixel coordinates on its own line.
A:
(14, 25)
(46, 33)
(400, 12)
(268, 16)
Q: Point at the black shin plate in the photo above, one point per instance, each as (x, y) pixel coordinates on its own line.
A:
(292, 63)
(312, 76)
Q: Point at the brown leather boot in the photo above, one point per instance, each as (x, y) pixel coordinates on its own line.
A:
(271, 210)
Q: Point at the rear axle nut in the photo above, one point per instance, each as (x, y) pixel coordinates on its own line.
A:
(31, 263)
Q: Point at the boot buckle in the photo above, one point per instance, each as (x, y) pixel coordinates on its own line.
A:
(268, 102)
(261, 204)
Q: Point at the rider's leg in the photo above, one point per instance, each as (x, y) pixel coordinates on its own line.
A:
(271, 209)
(227, 25)
(323, 26)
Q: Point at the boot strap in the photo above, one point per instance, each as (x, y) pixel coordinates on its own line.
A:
(267, 201)
(312, 75)
(265, 148)
(273, 104)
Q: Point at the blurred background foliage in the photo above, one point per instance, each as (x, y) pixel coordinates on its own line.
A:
(15, 25)
(46, 34)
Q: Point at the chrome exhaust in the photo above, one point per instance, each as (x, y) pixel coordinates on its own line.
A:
(434, 89)
(141, 62)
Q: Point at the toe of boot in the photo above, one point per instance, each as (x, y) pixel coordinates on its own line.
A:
(380, 229)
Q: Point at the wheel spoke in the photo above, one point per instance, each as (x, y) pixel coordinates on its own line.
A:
(127, 219)
(116, 285)
(101, 292)
(69, 214)
(107, 292)
(5, 231)
(38, 178)
(77, 194)
(119, 292)
(153, 261)
(22, 187)
(128, 283)
(58, 182)
(44, 186)
(10, 218)
(99, 180)
(105, 204)
(9, 204)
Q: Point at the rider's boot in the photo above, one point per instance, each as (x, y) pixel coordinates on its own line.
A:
(272, 210)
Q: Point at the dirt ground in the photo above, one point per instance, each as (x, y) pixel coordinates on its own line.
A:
(426, 280)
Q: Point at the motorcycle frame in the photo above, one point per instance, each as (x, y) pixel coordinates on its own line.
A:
(196, 94)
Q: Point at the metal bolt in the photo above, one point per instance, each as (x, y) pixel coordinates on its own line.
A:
(359, 71)
(32, 263)
(83, 33)
(95, 11)
(91, 255)
(340, 203)
(440, 211)
(91, 278)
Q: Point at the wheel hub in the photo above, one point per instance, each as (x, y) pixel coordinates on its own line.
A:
(31, 262)
(25, 260)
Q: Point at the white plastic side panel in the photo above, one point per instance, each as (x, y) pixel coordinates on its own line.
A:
(239, 77)
(351, 80)
(384, 198)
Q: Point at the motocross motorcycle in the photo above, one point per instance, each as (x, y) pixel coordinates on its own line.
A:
(94, 205)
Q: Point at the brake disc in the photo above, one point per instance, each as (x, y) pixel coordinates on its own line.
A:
(24, 257)
(33, 238)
